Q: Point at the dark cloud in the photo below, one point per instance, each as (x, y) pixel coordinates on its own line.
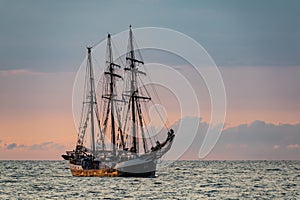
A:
(11, 146)
(46, 146)
(22, 146)
(42, 146)
(235, 33)
(260, 132)
(258, 140)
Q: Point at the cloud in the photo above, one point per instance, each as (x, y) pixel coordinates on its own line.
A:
(41, 146)
(260, 132)
(257, 140)
(236, 39)
(47, 146)
(293, 146)
(190, 132)
(11, 146)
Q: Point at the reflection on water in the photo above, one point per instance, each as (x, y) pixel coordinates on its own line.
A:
(181, 180)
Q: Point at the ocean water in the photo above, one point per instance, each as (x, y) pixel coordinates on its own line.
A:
(181, 180)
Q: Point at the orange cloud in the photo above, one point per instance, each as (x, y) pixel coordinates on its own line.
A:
(293, 146)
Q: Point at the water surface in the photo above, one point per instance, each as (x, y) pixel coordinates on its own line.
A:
(181, 180)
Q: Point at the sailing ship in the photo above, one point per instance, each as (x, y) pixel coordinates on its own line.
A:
(120, 148)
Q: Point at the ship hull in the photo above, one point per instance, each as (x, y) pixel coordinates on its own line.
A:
(130, 168)
(138, 175)
(137, 168)
(77, 170)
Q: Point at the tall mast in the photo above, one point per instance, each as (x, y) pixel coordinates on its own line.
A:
(91, 99)
(134, 94)
(111, 70)
(110, 96)
(133, 90)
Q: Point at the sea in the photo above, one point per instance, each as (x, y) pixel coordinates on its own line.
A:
(176, 180)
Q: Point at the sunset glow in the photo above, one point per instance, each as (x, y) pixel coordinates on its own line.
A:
(42, 49)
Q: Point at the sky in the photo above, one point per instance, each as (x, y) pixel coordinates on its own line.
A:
(255, 44)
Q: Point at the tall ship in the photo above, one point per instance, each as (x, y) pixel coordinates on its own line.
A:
(119, 143)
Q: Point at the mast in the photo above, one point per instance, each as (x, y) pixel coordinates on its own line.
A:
(134, 96)
(133, 90)
(110, 95)
(111, 84)
(91, 76)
